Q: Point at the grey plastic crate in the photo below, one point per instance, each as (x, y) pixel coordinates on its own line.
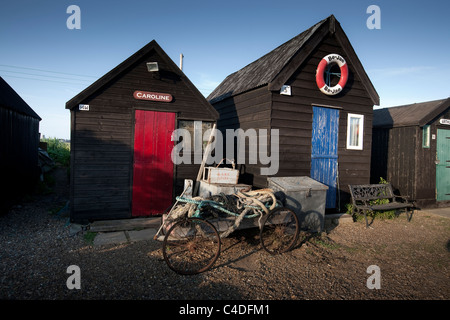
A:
(306, 197)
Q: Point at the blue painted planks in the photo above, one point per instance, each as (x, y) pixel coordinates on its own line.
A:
(324, 147)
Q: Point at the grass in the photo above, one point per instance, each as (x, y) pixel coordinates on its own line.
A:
(89, 237)
(322, 240)
(58, 150)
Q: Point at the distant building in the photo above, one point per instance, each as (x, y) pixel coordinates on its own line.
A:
(411, 150)
(19, 142)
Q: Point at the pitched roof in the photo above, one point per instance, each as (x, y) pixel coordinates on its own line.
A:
(11, 100)
(416, 114)
(251, 77)
(273, 68)
(126, 64)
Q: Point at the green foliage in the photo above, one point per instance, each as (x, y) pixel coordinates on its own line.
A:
(379, 214)
(383, 214)
(89, 237)
(58, 150)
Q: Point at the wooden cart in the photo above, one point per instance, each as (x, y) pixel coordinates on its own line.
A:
(193, 229)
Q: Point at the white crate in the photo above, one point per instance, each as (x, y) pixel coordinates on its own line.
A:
(221, 175)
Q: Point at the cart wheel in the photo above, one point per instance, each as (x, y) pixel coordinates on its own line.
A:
(191, 246)
(280, 230)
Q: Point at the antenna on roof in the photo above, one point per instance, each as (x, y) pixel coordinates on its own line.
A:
(181, 61)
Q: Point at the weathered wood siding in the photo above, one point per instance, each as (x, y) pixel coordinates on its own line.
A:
(249, 110)
(394, 158)
(399, 157)
(102, 139)
(19, 142)
(292, 115)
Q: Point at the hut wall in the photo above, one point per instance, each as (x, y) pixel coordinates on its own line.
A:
(19, 142)
(102, 139)
(249, 110)
(395, 151)
(292, 115)
(399, 157)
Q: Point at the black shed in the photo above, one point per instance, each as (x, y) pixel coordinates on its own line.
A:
(324, 122)
(19, 143)
(411, 149)
(121, 137)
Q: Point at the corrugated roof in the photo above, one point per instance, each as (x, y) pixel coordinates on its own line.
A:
(409, 115)
(11, 100)
(251, 77)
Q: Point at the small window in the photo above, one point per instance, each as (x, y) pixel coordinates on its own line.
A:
(426, 136)
(196, 130)
(355, 131)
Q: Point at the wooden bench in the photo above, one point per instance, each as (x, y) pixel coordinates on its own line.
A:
(364, 196)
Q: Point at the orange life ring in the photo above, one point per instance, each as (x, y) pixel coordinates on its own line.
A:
(331, 58)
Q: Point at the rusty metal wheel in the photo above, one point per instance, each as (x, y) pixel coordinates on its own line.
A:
(279, 231)
(191, 246)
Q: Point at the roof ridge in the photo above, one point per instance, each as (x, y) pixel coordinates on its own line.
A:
(10, 99)
(231, 84)
(417, 113)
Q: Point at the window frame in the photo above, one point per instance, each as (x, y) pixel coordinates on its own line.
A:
(360, 141)
(426, 138)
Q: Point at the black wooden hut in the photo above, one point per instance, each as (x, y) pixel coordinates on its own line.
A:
(411, 149)
(19, 142)
(121, 137)
(281, 91)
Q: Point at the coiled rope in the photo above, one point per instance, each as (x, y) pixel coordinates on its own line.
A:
(251, 204)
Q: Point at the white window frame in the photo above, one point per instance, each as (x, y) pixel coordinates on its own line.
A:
(426, 133)
(359, 145)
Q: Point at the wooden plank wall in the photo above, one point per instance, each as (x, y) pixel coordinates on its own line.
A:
(398, 156)
(292, 115)
(19, 142)
(379, 157)
(103, 138)
(402, 160)
(250, 110)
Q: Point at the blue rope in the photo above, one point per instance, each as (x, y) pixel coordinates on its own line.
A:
(201, 203)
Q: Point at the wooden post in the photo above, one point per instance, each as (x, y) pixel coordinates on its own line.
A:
(202, 166)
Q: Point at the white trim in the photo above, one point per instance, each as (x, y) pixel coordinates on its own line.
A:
(360, 134)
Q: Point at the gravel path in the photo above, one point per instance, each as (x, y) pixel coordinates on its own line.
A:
(413, 259)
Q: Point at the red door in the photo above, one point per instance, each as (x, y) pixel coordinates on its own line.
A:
(153, 166)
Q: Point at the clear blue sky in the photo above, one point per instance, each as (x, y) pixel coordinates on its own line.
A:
(407, 59)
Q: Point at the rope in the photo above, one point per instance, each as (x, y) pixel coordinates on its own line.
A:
(251, 204)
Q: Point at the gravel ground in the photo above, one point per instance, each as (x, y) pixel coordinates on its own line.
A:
(37, 248)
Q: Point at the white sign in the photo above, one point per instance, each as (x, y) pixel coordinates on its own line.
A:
(83, 107)
(445, 121)
(286, 90)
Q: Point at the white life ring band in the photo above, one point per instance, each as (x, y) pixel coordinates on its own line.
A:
(331, 58)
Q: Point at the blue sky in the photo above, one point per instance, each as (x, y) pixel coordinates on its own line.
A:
(407, 59)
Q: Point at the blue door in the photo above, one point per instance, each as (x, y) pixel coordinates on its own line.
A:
(324, 148)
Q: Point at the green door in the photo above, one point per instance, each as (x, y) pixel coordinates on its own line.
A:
(443, 165)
